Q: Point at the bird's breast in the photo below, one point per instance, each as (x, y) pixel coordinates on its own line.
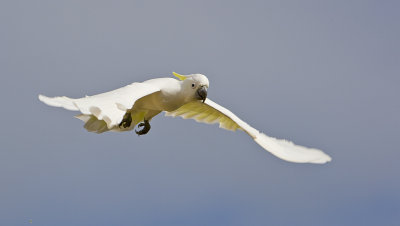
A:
(159, 101)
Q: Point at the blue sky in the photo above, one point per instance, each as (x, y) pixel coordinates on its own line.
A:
(320, 73)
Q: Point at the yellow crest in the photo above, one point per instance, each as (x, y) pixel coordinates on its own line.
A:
(181, 77)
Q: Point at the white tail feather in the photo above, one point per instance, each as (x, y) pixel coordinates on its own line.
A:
(92, 124)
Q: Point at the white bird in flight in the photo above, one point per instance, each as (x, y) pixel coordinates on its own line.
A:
(136, 104)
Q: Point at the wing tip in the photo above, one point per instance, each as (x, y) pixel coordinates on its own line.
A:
(42, 97)
(324, 158)
(63, 101)
(47, 100)
(291, 152)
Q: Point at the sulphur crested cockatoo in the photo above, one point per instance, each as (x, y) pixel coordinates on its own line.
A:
(122, 109)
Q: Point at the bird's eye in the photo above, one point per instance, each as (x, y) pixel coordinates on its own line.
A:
(193, 85)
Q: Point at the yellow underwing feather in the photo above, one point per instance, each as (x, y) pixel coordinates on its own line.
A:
(210, 112)
(203, 113)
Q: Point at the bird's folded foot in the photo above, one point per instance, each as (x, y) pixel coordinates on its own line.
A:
(146, 127)
(126, 121)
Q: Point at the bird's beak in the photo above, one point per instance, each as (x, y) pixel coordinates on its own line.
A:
(202, 93)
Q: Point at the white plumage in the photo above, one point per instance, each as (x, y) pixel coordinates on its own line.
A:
(123, 108)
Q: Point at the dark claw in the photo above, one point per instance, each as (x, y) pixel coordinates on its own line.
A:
(146, 128)
(126, 121)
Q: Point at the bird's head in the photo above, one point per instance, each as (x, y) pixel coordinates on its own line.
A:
(195, 84)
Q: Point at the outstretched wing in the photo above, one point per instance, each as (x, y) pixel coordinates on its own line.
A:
(210, 112)
(110, 106)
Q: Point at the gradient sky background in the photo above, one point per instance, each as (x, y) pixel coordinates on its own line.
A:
(323, 74)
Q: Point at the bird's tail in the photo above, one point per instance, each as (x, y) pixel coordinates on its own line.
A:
(92, 124)
(65, 102)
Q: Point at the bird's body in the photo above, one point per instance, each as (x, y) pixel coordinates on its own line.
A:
(124, 108)
(171, 95)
